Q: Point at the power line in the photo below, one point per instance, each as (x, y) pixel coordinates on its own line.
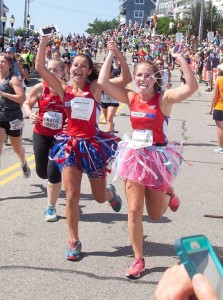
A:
(69, 9)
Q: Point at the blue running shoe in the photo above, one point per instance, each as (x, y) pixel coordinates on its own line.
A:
(50, 214)
(73, 253)
(116, 202)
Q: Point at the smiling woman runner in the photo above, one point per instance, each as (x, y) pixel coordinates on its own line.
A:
(11, 117)
(146, 162)
(49, 120)
(83, 148)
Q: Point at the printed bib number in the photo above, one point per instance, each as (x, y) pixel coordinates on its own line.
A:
(53, 120)
(16, 124)
(141, 139)
(82, 108)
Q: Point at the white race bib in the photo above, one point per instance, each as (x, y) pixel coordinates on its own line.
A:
(141, 139)
(82, 108)
(53, 120)
(16, 124)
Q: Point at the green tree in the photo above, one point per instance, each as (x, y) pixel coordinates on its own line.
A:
(163, 25)
(98, 26)
(212, 19)
(18, 32)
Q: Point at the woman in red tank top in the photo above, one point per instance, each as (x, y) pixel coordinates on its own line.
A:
(146, 161)
(83, 148)
(49, 120)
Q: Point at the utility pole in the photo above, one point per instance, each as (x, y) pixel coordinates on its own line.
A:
(200, 34)
(25, 14)
(1, 14)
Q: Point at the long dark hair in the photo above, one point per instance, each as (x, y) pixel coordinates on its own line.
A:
(94, 73)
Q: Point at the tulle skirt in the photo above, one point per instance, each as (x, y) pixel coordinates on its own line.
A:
(91, 155)
(155, 167)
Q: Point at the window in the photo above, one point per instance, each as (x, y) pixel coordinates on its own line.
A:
(139, 14)
(139, 1)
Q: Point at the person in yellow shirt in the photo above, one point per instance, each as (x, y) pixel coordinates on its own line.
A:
(217, 108)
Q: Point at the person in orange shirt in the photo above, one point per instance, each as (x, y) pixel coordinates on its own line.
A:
(217, 108)
(57, 43)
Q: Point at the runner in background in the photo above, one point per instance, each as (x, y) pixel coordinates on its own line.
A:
(11, 117)
(48, 121)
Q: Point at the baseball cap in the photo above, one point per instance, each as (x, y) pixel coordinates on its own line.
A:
(10, 49)
(220, 67)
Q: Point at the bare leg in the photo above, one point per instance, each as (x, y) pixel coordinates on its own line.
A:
(72, 183)
(2, 138)
(53, 192)
(135, 195)
(219, 125)
(156, 203)
(99, 190)
(16, 143)
(110, 116)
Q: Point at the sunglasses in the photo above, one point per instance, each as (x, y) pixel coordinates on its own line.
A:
(159, 64)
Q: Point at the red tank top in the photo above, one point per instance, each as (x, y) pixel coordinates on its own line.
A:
(149, 116)
(81, 112)
(51, 113)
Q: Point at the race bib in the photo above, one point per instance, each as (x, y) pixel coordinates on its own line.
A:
(53, 120)
(141, 139)
(16, 124)
(82, 108)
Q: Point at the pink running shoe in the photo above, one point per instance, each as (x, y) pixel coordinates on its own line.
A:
(137, 267)
(174, 200)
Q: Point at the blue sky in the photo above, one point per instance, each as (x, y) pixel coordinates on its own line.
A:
(69, 15)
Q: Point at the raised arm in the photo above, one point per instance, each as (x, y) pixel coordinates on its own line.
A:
(114, 90)
(181, 93)
(47, 76)
(125, 76)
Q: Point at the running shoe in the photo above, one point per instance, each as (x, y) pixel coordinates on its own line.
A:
(174, 200)
(138, 266)
(116, 202)
(218, 150)
(50, 214)
(26, 170)
(73, 253)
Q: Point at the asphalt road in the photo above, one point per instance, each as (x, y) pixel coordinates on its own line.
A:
(32, 252)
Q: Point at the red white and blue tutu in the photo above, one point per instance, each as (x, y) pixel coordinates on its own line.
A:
(155, 167)
(90, 155)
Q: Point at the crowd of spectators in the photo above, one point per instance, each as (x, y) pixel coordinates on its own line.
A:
(139, 39)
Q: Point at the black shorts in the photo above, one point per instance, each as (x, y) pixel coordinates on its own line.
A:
(218, 115)
(13, 133)
(106, 105)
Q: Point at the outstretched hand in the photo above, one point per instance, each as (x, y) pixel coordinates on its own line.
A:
(47, 37)
(178, 54)
(176, 284)
(112, 47)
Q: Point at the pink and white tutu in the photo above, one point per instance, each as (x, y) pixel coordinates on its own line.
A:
(155, 167)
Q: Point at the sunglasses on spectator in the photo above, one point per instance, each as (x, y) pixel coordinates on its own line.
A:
(159, 64)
